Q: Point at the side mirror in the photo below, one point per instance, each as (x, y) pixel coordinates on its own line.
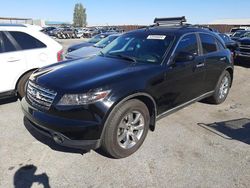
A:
(184, 57)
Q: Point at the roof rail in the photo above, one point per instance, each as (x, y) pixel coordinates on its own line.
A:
(170, 21)
(11, 25)
(205, 27)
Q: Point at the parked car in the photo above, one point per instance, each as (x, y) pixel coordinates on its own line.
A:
(244, 46)
(89, 51)
(230, 44)
(79, 33)
(238, 34)
(48, 30)
(90, 32)
(90, 42)
(23, 50)
(112, 100)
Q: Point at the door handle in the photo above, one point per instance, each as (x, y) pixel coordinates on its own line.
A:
(200, 65)
(223, 59)
(13, 60)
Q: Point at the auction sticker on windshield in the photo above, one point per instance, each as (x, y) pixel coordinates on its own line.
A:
(156, 37)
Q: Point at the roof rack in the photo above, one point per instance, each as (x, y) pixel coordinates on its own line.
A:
(170, 21)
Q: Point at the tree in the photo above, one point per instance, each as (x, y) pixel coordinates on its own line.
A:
(79, 16)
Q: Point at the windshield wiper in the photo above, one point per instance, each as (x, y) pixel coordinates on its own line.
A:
(126, 57)
(101, 54)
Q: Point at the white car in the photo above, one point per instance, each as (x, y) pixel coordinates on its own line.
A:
(23, 50)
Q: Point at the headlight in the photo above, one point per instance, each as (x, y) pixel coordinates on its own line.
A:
(83, 99)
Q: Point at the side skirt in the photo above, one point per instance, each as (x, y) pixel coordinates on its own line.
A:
(164, 114)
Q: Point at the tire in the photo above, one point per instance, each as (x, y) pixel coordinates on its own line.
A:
(221, 94)
(120, 141)
(21, 85)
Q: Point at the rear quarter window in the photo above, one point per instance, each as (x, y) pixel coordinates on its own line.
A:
(209, 43)
(26, 41)
(6, 44)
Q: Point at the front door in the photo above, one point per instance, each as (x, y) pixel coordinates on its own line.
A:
(184, 80)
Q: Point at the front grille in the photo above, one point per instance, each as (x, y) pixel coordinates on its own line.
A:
(39, 96)
(245, 46)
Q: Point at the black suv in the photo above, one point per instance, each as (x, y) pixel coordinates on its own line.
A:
(113, 99)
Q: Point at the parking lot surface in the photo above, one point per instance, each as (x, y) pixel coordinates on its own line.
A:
(200, 146)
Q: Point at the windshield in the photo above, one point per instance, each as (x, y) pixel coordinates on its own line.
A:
(247, 34)
(139, 48)
(225, 37)
(239, 33)
(96, 39)
(104, 42)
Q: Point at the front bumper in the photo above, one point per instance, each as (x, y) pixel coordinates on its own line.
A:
(66, 132)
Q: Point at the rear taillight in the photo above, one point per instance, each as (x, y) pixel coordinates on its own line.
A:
(60, 55)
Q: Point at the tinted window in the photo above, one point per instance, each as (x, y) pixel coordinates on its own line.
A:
(142, 48)
(208, 43)
(7, 45)
(26, 41)
(188, 44)
(220, 46)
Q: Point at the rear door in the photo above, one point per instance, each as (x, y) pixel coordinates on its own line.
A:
(35, 51)
(12, 62)
(215, 56)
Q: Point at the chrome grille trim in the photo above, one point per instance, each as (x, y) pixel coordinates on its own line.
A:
(40, 96)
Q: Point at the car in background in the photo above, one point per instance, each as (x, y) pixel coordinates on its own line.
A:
(243, 49)
(79, 32)
(89, 51)
(90, 42)
(238, 34)
(48, 30)
(90, 32)
(230, 44)
(23, 50)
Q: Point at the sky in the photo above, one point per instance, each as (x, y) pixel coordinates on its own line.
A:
(119, 12)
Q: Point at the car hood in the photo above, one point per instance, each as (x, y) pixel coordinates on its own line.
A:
(245, 41)
(84, 74)
(83, 52)
(83, 44)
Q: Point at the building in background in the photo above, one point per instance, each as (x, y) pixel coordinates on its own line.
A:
(225, 25)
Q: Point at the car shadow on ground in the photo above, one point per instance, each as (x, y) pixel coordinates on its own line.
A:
(238, 129)
(49, 141)
(25, 176)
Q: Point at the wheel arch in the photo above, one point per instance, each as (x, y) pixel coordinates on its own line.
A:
(18, 80)
(231, 72)
(146, 98)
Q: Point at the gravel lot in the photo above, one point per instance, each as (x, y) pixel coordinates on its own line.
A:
(200, 146)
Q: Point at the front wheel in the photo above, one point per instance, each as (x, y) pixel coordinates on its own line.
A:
(126, 129)
(222, 89)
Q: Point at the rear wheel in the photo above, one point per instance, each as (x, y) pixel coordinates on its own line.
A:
(126, 129)
(21, 85)
(222, 89)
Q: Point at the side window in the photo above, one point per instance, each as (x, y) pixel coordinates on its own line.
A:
(188, 44)
(26, 41)
(208, 43)
(220, 46)
(7, 45)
